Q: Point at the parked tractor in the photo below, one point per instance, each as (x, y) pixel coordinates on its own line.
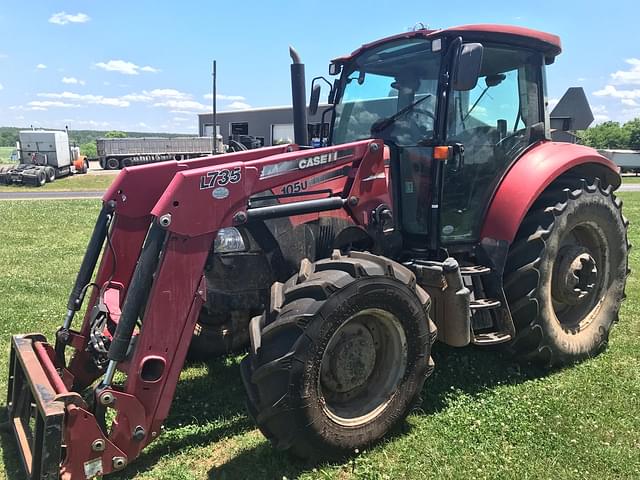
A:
(440, 210)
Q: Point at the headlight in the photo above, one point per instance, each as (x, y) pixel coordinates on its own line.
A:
(228, 240)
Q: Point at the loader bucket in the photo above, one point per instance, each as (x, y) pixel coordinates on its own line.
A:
(36, 412)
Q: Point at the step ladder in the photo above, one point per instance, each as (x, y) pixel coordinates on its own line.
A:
(491, 322)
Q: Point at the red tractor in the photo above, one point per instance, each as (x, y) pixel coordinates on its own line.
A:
(441, 209)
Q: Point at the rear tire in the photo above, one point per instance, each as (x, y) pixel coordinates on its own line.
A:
(112, 163)
(50, 174)
(565, 274)
(340, 357)
(5, 177)
(41, 178)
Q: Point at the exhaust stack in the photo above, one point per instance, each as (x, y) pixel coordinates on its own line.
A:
(298, 97)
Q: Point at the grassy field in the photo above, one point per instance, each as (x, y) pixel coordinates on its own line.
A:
(482, 415)
(5, 153)
(630, 179)
(74, 183)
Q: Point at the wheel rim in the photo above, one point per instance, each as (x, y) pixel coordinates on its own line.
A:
(362, 366)
(580, 274)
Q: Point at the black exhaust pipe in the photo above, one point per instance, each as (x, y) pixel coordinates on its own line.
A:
(299, 98)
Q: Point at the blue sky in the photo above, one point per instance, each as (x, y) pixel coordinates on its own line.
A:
(146, 65)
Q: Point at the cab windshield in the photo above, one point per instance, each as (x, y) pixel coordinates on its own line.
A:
(389, 92)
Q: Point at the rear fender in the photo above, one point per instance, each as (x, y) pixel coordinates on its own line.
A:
(529, 177)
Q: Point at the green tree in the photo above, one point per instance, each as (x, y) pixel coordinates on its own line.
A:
(633, 130)
(606, 135)
(115, 134)
(89, 149)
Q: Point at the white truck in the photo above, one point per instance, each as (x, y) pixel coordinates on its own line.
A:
(43, 156)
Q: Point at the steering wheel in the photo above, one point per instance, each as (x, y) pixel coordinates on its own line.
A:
(516, 137)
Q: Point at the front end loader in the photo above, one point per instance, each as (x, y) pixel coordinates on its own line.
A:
(441, 210)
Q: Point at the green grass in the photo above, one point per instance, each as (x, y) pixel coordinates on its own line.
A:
(5, 153)
(67, 184)
(482, 415)
(630, 179)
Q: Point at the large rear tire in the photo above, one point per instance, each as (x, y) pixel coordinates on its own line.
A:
(565, 274)
(341, 355)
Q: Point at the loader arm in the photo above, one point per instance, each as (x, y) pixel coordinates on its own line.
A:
(159, 222)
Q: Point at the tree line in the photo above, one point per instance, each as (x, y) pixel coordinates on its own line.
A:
(613, 135)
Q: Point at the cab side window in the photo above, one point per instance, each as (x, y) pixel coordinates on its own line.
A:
(493, 122)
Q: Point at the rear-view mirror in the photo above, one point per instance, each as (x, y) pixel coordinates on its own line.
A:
(467, 67)
(314, 101)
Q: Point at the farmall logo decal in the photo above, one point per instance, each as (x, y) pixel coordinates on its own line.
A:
(317, 160)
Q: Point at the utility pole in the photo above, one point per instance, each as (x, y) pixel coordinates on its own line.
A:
(214, 133)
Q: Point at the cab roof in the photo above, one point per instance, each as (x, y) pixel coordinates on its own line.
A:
(547, 43)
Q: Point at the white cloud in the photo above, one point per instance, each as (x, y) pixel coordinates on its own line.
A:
(88, 123)
(3, 56)
(220, 96)
(239, 105)
(92, 99)
(182, 112)
(51, 103)
(62, 18)
(1, 87)
(630, 102)
(143, 125)
(124, 67)
(611, 91)
(190, 106)
(600, 117)
(631, 76)
(168, 93)
(41, 66)
(72, 81)
(180, 119)
(551, 103)
(136, 97)
(157, 94)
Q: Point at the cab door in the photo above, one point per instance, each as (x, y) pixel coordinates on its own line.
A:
(490, 127)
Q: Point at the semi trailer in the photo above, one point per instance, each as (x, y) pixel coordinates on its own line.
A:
(43, 156)
(116, 153)
(627, 160)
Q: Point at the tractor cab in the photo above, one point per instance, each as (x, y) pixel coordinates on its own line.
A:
(456, 108)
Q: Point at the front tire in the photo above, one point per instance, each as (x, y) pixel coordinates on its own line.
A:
(340, 357)
(565, 274)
